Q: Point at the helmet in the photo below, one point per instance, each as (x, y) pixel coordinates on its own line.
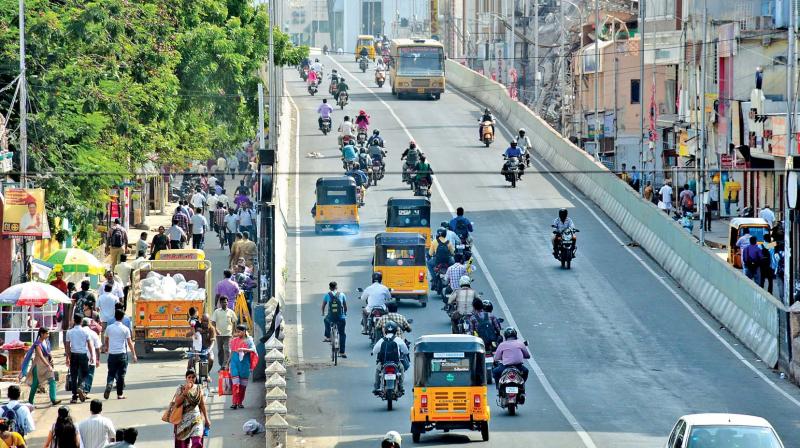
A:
(445, 224)
(375, 132)
(393, 437)
(316, 59)
(356, 165)
(513, 143)
(441, 231)
(521, 131)
(487, 111)
(377, 277)
(510, 333)
(487, 306)
(562, 213)
(390, 327)
(464, 281)
(361, 112)
(412, 144)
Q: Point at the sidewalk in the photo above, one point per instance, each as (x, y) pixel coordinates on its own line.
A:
(717, 238)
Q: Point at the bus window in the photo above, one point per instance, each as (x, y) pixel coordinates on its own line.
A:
(420, 61)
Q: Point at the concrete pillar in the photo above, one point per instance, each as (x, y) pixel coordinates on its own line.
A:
(277, 430)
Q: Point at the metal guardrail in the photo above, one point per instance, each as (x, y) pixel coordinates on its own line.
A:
(748, 311)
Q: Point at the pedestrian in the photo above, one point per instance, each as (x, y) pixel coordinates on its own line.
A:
(666, 195)
(248, 250)
(59, 282)
(223, 198)
(11, 438)
(242, 364)
(227, 287)
(247, 220)
(78, 300)
(189, 396)
(129, 436)
(17, 413)
(635, 178)
(159, 242)
(222, 166)
(123, 271)
(336, 304)
(176, 234)
(224, 320)
(218, 218)
(208, 339)
(199, 227)
(142, 246)
(63, 434)
(768, 215)
(741, 244)
(116, 285)
(687, 199)
(767, 266)
(80, 351)
(778, 262)
(707, 210)
(751, 259)
(94, 332)
(41, 363)
(117, 242)
(107, 303)
(648, 191)
(181, 218)
(236, 249)
(212, 202)
(198, 200)
(118, 344)
(96, 431)
(231, 222)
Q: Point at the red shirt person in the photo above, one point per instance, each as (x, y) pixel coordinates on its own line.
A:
(59, 282)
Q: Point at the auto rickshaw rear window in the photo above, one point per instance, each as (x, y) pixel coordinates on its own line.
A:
(337, 197)
(400, 256)
(757, 232)
(440, 371)
(416, 217)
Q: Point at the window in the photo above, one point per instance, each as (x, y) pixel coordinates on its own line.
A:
(635, 91)
(660, 9)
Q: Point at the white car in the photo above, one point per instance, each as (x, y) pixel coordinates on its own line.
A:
(722, 431)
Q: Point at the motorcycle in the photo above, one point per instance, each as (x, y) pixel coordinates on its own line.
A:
(377, 171)
(439, 280)
(465, 249)
(363, 63)
(511, 389)
(342, 100)
(422, 188)
(326, 126)
(512, 171)
(360, 192)
(390, 383)
(361, 137)
(408, 174)
(487, 134)
(333, 87)
(565, 249)
(380, 77)
(312, 88)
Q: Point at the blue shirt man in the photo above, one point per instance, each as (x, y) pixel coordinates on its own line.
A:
(513, 151)
(461, 225)
(349, 152)
(358, 175)
(335, 315)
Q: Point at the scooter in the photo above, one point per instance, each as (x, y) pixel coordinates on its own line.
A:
(511, 390)
(566, 246)
(361, 137)
(390, 384)
(326, 126)
(380, 77)
(487, 134)
(312, 88)
(422, 188)
(512, 171)
(343, 100)
(377, 171)
(363, 63)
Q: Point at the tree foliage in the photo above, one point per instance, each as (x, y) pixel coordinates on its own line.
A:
(116, 83)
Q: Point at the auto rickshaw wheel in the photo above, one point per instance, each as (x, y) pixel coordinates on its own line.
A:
(415, 432)
(423, 300)
(485, 431)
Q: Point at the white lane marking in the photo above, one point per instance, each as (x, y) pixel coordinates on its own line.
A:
(551, 392)
(660, 278)
(297, 278)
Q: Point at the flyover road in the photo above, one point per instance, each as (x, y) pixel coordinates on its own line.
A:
(620, 351)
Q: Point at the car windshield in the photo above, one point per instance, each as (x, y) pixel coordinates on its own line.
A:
(733, 437)
(421, 61)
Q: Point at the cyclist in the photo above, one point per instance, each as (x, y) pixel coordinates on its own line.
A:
(336, 303)
(203, 341)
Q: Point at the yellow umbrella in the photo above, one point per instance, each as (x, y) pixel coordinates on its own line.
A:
(76, 260)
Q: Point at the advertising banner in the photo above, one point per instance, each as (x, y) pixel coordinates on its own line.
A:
(24, 214)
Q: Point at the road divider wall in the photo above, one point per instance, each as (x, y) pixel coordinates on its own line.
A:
(748, 311)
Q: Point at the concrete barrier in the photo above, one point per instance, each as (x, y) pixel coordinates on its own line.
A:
(748, 311)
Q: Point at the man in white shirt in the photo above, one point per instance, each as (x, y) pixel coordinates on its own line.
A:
(212, 201)
(98, 345)
(198, 199)
(222, 164)
(96, 431)
(199, 227)
(123, 271)
(231, 226)
(247, 220)
(117, 287)
(666, 195)
(107, 303)
(118, 344)
(79, 350)
(224, 320)
(345, 129)
(375, 296)
(767, 215)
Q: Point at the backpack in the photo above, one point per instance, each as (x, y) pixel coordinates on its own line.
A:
(335, 307)
(116, 237)
(442, 254)
(389, 351)
(413, 156)
(13, 420)
(689, 202)
(486, 330)
(462, 229)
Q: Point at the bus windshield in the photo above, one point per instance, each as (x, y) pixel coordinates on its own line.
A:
(420, 61)
(408, 217)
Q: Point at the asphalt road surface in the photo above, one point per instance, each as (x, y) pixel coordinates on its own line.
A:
(620, 351)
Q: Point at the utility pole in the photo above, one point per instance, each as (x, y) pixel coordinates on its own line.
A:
(23, 101)
(596, 78)
(512, 17)
(563, 69)
(703, 122)
(788, 280)
(642, 12)
(536, 52)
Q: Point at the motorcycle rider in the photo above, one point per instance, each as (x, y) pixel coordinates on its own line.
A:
(364, 53)
(460, 301)
(392, 439)
(349, 153)
(513, 151)
(324, 110)
(524, 143)
(461, 225)
(362, 120)
(423, 171)
(375, 145)
(334, 82)
(560, 224)
(317, 66)
(376, 295)
(312, 78)
(441, 251)
(364, 160)
(451, 236)
(487, 116)
(483, 324)
(375, 139)
(411, 155)
(380, 65)
(341, 87)
(455, 272)
(510, 353)
(390, 348)
(358, 175)
(397, 318)
(345, 130)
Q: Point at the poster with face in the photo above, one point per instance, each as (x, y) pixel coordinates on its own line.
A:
(24, 214)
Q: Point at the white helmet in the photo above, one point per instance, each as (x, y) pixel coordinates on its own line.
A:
(521, 131)
(393, 437)
(464, 280)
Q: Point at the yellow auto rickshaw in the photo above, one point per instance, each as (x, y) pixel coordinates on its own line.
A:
(409, 215)
(400, 257)
(756, 227)
(365, 40)
(449, 385)
(336, 208)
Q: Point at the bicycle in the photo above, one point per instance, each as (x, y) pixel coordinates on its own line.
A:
(335, 343)
(203, 379)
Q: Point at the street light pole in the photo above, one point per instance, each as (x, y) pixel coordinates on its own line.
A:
(596, 78)
(536, 51)
(703, 123)
(642, 12)
(23, 101)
